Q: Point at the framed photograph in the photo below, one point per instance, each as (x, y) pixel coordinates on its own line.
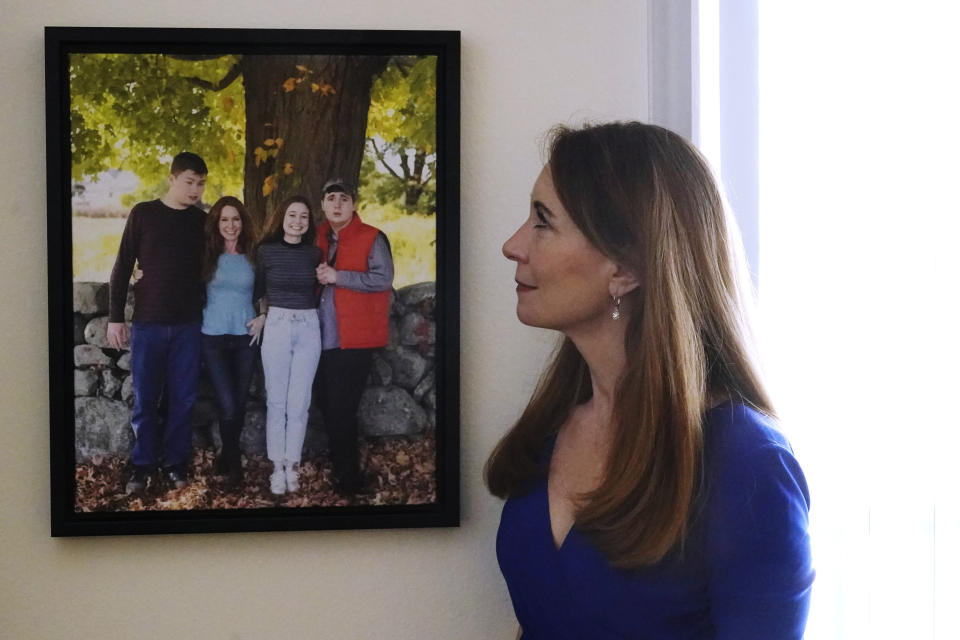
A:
(253, 279)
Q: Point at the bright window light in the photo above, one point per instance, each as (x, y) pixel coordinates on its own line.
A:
(858, 291)
(706, 127)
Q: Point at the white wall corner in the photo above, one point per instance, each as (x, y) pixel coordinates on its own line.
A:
(672, 64)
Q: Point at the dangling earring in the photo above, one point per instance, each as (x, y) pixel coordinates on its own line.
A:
(616, 308)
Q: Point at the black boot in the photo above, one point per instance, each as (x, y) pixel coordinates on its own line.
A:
(229, 457)
(347, 475)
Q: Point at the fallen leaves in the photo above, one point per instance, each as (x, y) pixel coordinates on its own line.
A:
(397, 471)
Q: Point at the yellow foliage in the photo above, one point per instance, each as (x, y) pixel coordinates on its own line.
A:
(268, 142)
(288, 168)
(302, 68)
(260, 155)
(327, 89)
(269, 184)
(314, 86)
(290, 84)
(279, 143)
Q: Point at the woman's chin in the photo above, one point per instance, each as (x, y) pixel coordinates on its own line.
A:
(529, 318)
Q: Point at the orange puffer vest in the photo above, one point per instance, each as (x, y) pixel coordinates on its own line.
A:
(362, 318)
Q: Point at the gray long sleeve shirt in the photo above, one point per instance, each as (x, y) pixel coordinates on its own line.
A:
(377, 277)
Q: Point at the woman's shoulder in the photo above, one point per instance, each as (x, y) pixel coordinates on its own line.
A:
(748, 462)
(755, 525)
(735, 428)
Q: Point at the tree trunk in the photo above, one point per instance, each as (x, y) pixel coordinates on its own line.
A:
(415, 183)
(306, 123)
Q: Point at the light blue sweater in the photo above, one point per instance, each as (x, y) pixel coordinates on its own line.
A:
(229, 297)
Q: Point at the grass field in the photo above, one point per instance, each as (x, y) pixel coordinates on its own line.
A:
(95, 243)
(412, 241)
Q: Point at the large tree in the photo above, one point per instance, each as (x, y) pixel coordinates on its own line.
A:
(401, 134)
(270, 126)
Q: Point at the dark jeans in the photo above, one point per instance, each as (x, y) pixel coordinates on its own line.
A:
(163, 358)
(230, 360)
(340, 381)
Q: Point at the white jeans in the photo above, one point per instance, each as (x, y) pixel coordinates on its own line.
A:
(290, 353)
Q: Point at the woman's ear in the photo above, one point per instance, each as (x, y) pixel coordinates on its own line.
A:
(623, 282)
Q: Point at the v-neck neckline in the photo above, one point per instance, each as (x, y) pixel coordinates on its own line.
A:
(550, 534)
(548, 452)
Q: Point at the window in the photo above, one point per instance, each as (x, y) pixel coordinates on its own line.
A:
(858, 271)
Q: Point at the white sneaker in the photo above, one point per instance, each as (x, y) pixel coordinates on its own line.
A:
(292, 473)
(278, 483)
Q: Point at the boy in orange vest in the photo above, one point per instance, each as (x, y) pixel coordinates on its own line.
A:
(357, 277)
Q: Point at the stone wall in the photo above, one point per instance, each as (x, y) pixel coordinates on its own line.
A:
(400, 398)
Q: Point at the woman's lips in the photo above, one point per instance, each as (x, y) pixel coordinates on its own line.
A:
(521, 287)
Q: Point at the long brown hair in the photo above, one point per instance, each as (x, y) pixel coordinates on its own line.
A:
(646, 198)
(274, 230)
(213, 239)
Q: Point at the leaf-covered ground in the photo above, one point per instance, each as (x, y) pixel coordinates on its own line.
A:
(396, 471)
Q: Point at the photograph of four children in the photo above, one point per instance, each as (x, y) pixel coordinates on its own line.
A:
(303, 290)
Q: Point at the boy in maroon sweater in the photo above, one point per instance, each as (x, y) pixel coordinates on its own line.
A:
(166, 237)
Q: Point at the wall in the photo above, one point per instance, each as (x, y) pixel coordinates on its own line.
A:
(526, 65)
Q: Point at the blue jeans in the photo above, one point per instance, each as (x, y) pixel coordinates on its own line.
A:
(163, 357)
(230, 360)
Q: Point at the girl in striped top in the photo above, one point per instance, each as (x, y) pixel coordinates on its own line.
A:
(286, 283)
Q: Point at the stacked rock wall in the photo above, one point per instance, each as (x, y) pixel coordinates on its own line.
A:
(400, 398)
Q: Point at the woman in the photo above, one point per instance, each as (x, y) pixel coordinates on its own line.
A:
(228, 349)
(286, 283)
(648, 492)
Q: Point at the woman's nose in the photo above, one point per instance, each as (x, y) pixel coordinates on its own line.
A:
(513, 247)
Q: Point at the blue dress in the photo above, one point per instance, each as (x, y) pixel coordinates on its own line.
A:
(744, 571)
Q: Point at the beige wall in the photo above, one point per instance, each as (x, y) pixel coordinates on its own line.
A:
(526, 65)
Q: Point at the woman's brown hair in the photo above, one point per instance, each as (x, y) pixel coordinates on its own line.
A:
(274, 232)
(213, 239)
(646, 198)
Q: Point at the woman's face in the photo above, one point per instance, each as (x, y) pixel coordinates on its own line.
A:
(563, 281)
(230, 223)
(296, 221)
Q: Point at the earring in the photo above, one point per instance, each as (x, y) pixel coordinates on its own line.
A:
(616, 307)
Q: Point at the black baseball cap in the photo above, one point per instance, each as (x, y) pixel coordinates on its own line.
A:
(340, 184)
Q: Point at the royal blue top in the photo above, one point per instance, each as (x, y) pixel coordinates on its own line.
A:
(229, 297)
(744, 571)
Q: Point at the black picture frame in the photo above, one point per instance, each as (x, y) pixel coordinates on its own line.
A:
(60, 43)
